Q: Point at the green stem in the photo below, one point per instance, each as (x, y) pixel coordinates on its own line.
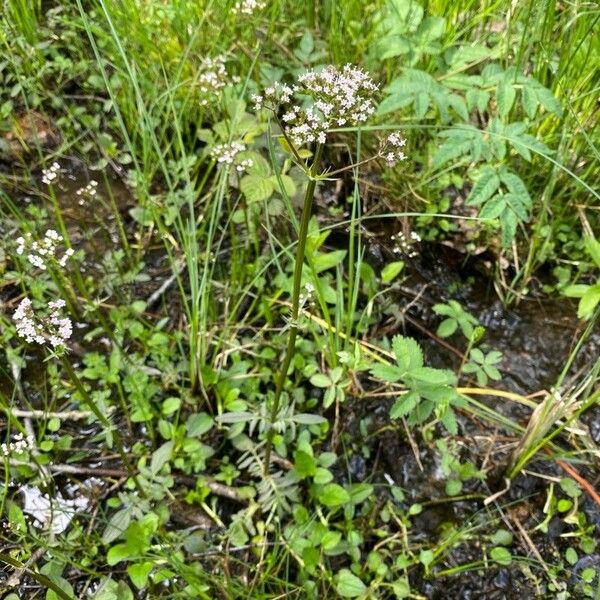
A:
(104, 422)
(289, 353)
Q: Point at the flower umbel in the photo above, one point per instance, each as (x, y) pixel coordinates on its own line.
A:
(41, 253)
(212, 79)
(227, 154)
(391, 149)
(52, 328)
(51, 173)
(338, 98)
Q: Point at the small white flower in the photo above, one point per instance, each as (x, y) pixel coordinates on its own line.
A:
(41, 253)
(227, 154)
(391, 149)
(51, 173)
(339, 97)
(247, 7)
(42, 328)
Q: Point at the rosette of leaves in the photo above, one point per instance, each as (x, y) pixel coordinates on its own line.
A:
(427, 388)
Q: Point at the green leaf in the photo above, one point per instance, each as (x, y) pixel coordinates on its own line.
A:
(256, 188)
(588, 302)
(509, 221)
(447, 327)
(547, 99)
(404, 405)
(408, 353)
(330, 540)
(118, 553)
(333, 495)
(161, 457)
(198, 424)
(502, 537)
(426, 557)
(328, 260)
(391, 271)
(170, 405)
(484, 187)
(138, 573)
(359, 492)
(323, 476)
(388, 373)
(493, 208)
(349, 585)
(305, 464)
(501, 555)
(576, 290)
(433, 376)
(505, 97)
(593, 247)
(529, 101)
(308, 419)
(401, 588)
(320, 380)
(116, 526)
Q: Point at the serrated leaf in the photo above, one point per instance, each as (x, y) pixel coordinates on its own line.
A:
(388, 373)
(529, 101)
(516, 186)
(509, 222)
(484, 187)
(433, 376)
(505, 97)
(493, 208)
(408, 353)
(459, 105)
(404, 405)
(547, 99)
(306, 465)
(517, 205)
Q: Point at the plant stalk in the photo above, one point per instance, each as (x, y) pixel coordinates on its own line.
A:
(104, 422)
(300, 250)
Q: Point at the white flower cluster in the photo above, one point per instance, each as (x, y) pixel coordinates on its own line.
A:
(89, 190)
(227, 154)
(392, 149)
(213, 78)
(51, 173)
(39, 253)
(52, 328)
(18, 445)
(247, 7)
(307, 294)
(339, 98)
(403, 245)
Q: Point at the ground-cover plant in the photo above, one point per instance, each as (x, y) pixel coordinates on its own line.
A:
(263, 355)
